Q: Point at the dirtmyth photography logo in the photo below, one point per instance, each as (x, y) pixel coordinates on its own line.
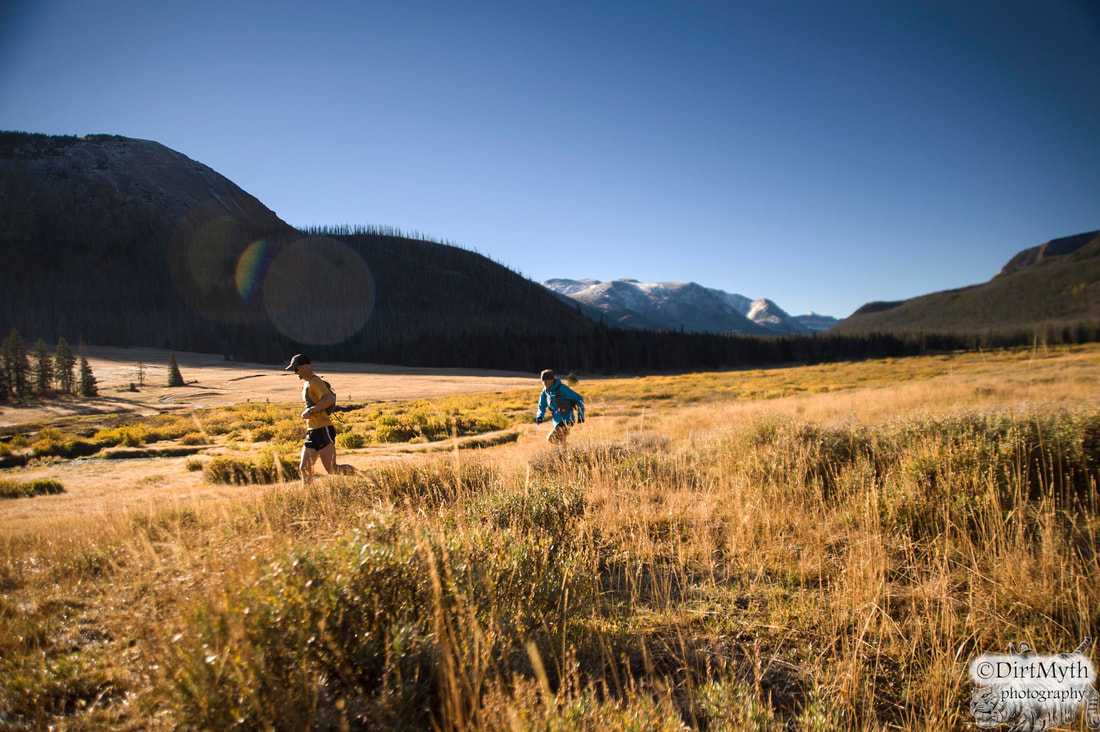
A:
(1031, 692)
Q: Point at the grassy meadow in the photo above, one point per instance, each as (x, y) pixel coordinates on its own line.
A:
(807, 548)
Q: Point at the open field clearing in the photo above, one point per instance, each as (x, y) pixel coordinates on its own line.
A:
(212, 381)
(805, 548)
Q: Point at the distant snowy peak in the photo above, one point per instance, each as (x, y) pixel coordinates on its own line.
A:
(682, 306)
(765, 311)
(568, 287)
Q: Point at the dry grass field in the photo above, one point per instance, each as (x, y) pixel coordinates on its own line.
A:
(808, 548)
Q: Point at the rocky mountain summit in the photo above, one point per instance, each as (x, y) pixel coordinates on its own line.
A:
(113, 177)
(686, 306)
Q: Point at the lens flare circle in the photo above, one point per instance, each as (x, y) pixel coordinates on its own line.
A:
(204, 259)
(318, 291)
(252, 268)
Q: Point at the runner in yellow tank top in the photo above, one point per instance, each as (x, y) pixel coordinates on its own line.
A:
(320, 432)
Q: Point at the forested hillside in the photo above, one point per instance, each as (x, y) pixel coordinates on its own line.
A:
(124, 242)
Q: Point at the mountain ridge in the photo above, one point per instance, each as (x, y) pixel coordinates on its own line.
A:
(686, 306)
(1056, 283)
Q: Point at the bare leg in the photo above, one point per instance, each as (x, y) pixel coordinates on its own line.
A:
(328, 459)
(309, 456)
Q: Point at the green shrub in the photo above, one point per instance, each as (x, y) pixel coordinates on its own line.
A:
(268, 468)
(262, 434)
(350, 440)
(735, 705)
(391, 429)
(168, 427)
(932, 472)
(551, 508)
(219, 423)
(129, 435)
(53, 442)
(365, 633)
(289, 431)
(29, 488)
(480, 422)
(432, 483)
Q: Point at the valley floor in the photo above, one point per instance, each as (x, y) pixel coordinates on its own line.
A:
(816, 547)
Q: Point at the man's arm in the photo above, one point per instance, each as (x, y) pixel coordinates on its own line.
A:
(577, 399)
(326, 401)
(542, 406)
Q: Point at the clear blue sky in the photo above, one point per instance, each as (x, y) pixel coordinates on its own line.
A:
(823, 153)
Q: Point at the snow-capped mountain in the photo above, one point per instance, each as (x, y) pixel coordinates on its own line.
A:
(682, 305)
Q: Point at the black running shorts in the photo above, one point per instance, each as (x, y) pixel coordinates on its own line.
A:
(320, 437)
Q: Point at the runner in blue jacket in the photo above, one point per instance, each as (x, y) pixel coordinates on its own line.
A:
(560, 400)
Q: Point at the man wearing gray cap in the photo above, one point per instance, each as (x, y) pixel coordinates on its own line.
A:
(320, 431)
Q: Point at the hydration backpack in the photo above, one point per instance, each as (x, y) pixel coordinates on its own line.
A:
(310, 402)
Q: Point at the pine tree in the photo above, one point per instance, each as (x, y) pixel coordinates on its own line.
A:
(43, 367)
(63, 363)
(16, 365)
(5, 387)
(88, 387)
(175, 378)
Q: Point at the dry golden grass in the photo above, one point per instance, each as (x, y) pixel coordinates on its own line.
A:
(745, 550)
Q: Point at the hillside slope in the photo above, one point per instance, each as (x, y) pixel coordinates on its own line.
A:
(1057, 283)
(119, 241)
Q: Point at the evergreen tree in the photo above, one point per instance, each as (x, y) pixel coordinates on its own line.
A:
(63, 363)
(88, 386)
(43, 367)
(16, 364)
(5, 387)
(175, 378)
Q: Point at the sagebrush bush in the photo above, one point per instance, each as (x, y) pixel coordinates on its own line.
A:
(433, 482)
(931, 471)
(371, 630)
(220, 422)
(53, 442)
(262, 434)
(288, 431)
(548, 507)
(168, 427)
(267, 468)
(127, 435)
(194, 439)
(29, 488)
(427, 421)
(392, 429)
(351, 440)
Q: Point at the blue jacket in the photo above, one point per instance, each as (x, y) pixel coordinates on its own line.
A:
(556, 398)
